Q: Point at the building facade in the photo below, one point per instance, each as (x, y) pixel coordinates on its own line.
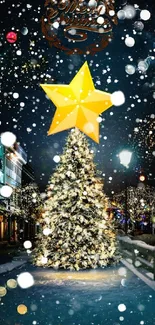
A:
(27, 174)
(12, 160)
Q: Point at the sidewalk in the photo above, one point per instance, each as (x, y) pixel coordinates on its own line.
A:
(16, 262)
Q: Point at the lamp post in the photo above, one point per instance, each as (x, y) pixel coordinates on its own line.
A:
(125, 158)
(5, 192)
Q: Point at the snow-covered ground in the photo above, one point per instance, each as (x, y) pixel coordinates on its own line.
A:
(113, 296)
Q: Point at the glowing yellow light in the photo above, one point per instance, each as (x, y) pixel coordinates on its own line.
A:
(142, 178)
(22, 309)
(11, 284)
(3, 291)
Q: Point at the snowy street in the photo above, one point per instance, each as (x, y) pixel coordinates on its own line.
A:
(112, 296)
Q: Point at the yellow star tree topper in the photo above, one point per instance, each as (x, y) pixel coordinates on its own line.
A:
(78, 104)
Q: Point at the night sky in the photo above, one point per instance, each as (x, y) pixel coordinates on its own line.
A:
(31, 61)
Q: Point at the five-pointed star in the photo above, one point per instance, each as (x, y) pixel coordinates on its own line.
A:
(78, 104)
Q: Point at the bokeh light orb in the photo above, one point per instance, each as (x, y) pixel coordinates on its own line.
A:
(11, 284)
(143, 66)
(129, 41)
(121, 14)
(130, 12)
(6, 191)
(139, 26)
(22, 309)
(121, 307)
(11, 37)
(118, 98)
(3, 291)
(8, 139)
(56, 158)
(24, 31)
(130, 69)
(142, 178)
(25, 280)
(92, 3)
(122, 271)
(27, 244)
(145, 15)
(124, 282)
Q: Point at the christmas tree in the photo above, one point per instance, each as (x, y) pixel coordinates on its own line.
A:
(30, 200)
(76, 231)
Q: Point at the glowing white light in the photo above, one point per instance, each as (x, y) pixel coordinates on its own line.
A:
(101, 9)
(8, 139)
(111, 13)
(121, 14)
(121, 307)
(72, 31)
(44, 260)
(46, 231)
(123, 282)
(145, 15)
(56, 24)
(19, 52)
(100, 20)
(25, 280)
(15, 95)
(118, 98)
(56, 159)
(122, 271)
(27, 244)
(99, 119)
(125, 157)
(6, 191)
(129, 41)
(47, 220)
(92, 3)
(143, 66)
(130, 12)
(130, 69)
(43, 195)
(22, 104)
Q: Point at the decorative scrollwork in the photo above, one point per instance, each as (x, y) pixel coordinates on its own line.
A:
(76, 19)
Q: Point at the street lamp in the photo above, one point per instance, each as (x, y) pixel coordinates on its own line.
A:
(6, 192)
(125, 158)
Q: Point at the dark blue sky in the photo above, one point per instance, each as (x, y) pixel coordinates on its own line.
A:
(30, 115)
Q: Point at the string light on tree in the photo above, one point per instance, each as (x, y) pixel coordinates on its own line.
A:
(143, 137)
(74, 212)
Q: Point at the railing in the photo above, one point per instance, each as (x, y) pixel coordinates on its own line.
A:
(138, 251)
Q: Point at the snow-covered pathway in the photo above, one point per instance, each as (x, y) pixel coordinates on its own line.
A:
(113, 296)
